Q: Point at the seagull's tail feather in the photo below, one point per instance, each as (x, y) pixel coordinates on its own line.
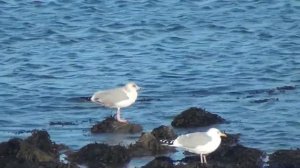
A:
(165, 142)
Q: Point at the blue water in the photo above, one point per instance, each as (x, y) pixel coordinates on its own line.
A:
(224, 56)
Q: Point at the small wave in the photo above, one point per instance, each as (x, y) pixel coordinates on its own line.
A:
(174, 27)
(265, 100)
(61, 123)
(80, 99)
(281, 89)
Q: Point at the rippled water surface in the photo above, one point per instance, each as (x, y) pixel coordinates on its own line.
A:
(238, 59)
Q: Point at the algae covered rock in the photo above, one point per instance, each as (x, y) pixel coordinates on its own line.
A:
(237, 156)
(160, 162)
(147, 145)
(230, 154)
(111, 125)
(101, 155)
(196, 117)
(164, 133)
(149, 142)
(37, 151)
(285, 159)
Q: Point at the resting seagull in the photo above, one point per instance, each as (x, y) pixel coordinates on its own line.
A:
(202, 143)
(117, 98)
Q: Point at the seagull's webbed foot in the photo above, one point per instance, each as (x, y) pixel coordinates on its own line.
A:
(122, 120)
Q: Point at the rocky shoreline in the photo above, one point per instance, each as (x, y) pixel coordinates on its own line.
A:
(39, 151)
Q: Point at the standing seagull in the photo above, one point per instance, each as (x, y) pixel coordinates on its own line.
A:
(202, 143)
(117, 98)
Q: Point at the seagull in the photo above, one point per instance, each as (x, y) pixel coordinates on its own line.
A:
(202, 143)
(117, 98)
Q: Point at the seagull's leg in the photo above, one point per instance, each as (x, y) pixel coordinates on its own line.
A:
(113, 115)
(201, 158)
(119, 116)
(204, 158)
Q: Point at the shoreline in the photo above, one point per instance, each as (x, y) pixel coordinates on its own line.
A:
(39, 150)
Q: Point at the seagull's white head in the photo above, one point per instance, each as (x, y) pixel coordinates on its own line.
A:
(132, 86)
(215, 131)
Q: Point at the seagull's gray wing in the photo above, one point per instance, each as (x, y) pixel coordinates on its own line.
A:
(193, 140)
(110, 97)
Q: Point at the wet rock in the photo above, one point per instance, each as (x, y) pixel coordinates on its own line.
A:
(230, 140)
(164, 133)
(147, 145)
(23, 132)
(285, 159)
(101, 155)
(29, 164)
(160, 162)
(37, 151)
(229, 155)
(192, 162)
(196, 117)
(226, 157)
(41, 140)
(237, 156)
(110, 125)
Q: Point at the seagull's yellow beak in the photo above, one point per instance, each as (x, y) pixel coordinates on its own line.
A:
(223, 135)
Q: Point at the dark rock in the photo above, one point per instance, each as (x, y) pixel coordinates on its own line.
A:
(41, 140)
(101, 155)
(37, 151)
(160, 162)
(285, 159)
(227, 157)
(147, 145)
(111, 125)
(164, 133)
(196, 117)
(23, 132)
(11, 162)
(230, 154)
(192, 162)
(230, 140)
(236, 156)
